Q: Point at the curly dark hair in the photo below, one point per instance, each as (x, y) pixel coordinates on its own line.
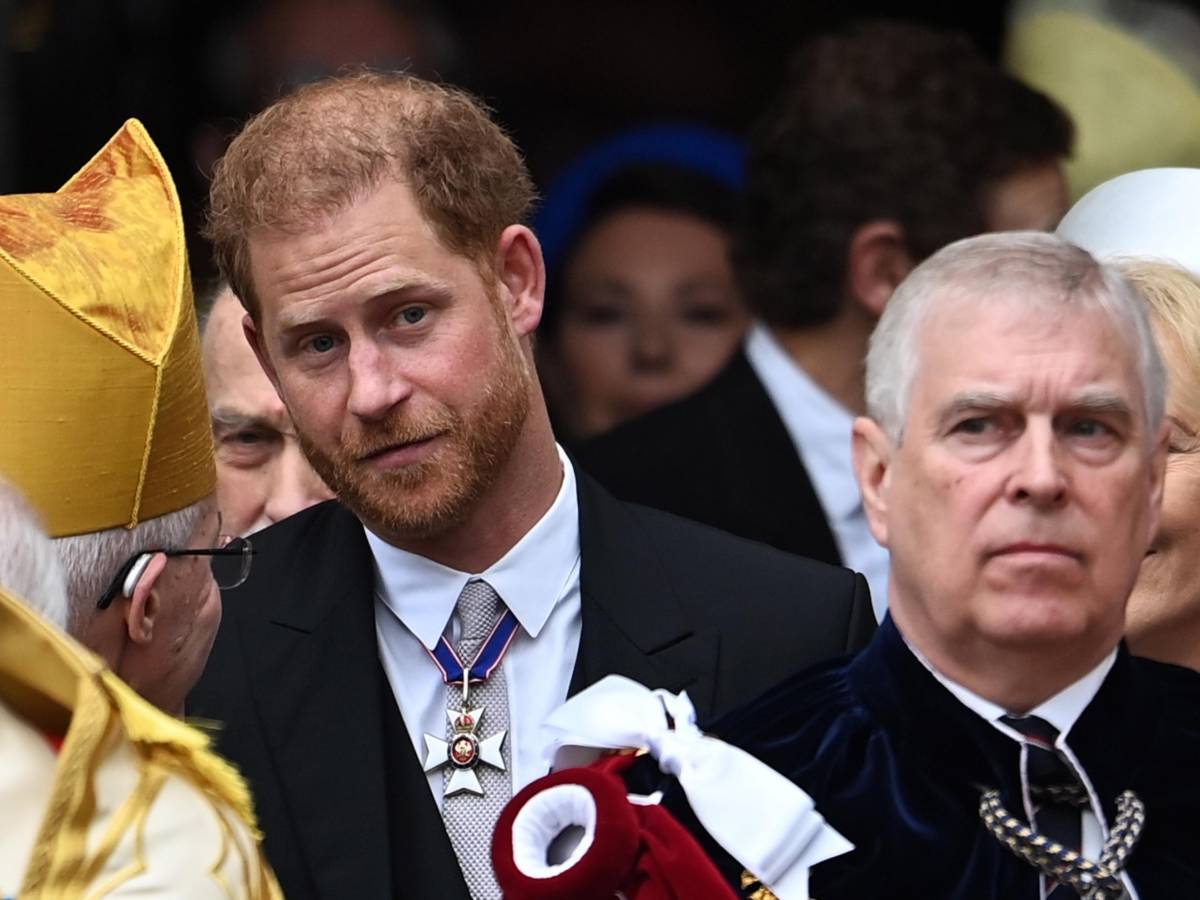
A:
(880, 120)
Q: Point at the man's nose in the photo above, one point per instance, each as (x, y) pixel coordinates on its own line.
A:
(376, 384)
(1038, 478)
(295, 485)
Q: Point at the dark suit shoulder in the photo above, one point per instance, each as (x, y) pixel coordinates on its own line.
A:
(309, 526)
(1176, 690)
(722, 456)
(764, 601)
(670, 440)
(713, 553)
(325, 543)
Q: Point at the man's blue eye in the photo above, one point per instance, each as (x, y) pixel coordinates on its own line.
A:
(1090, 428)
(412, 314)
(322, 343)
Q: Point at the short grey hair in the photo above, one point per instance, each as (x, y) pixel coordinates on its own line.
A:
(1029, 269)
(29, 567)
(91, 560)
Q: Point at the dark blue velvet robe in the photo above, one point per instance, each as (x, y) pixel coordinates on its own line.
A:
(897, 765)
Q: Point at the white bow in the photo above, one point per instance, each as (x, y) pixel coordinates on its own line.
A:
(762, 819)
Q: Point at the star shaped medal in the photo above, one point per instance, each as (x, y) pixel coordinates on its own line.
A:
(465, 750)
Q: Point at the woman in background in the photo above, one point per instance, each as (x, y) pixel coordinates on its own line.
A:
(1163, 616)
(1149, 222)
(642, 307)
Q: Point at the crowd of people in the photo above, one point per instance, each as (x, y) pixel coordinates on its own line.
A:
(814, 518)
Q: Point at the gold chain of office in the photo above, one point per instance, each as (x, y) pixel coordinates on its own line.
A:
(1092, 880)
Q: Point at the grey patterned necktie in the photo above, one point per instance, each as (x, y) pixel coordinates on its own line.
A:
(470, 819)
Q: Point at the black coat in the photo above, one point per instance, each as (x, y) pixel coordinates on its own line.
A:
(309, 718)
(897, 764)
(723, 457)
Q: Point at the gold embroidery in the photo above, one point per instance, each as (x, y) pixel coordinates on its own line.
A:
(758, 890)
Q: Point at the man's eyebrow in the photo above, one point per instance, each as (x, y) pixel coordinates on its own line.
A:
(1101, 401)
(974, 401)
(225, 419)
(1093, 400)
(306, 314)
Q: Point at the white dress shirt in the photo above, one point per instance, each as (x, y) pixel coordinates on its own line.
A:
(538, 579)
(1062, 711)
(820, 428)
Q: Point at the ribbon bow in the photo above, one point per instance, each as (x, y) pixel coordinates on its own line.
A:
(763, 820)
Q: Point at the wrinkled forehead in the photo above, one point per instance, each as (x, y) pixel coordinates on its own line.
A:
(1012, 342)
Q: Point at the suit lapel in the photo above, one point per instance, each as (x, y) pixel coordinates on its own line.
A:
(632, 622)
(315, 672)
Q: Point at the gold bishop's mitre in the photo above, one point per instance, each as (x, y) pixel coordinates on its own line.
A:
(103, 417)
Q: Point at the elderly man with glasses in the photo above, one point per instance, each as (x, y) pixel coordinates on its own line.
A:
(106, 421)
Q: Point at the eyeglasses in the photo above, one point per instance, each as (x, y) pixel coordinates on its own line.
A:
(230, 565)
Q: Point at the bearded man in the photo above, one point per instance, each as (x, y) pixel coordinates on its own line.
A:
(371, 226)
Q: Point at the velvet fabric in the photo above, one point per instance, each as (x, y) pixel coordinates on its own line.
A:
(638, 852)
(897, 765)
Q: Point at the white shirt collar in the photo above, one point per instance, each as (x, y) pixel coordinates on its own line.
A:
(1062, 710)
(530, 577)
(819, 426)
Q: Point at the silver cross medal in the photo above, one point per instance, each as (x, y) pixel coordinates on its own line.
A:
(464, 751)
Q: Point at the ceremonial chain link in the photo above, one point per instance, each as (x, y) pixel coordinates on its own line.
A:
(1091, 880)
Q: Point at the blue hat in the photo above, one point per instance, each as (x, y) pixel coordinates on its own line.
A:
(702, 150)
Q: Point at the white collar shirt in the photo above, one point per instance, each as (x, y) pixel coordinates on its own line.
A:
(820, 429)
(1062, 711)
(538, 579)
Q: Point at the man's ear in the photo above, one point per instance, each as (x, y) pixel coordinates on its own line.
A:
(255, 339)
(522, 271)
(877, 260)
(872, 467)
(144, 602)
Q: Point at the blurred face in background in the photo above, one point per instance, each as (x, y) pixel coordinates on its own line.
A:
(1163, 619)
(650, 313)
(1033, 198)
(262, 475)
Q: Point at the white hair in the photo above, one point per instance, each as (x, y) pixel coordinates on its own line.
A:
(1029, 270)
(29, 567)
(91, 560)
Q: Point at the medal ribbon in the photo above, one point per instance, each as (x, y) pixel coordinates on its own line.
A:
(486, 660)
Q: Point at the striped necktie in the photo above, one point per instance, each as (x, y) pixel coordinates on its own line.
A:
(1049, 780)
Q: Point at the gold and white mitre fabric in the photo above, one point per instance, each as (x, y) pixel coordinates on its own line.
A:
(133, 803)
(102, 398)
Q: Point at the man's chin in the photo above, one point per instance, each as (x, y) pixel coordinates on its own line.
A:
(410, 513)
(1038, 620)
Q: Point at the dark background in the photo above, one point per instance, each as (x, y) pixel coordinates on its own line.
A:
(560, 75)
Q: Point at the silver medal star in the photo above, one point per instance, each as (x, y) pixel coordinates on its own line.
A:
(464, 751)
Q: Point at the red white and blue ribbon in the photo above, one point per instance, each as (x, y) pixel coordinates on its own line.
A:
(486, 660)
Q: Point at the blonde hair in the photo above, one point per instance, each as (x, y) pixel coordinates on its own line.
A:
(318, 150)
(1173, 296)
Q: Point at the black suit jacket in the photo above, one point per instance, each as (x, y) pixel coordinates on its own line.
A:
(721, 456)
(307, 714)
